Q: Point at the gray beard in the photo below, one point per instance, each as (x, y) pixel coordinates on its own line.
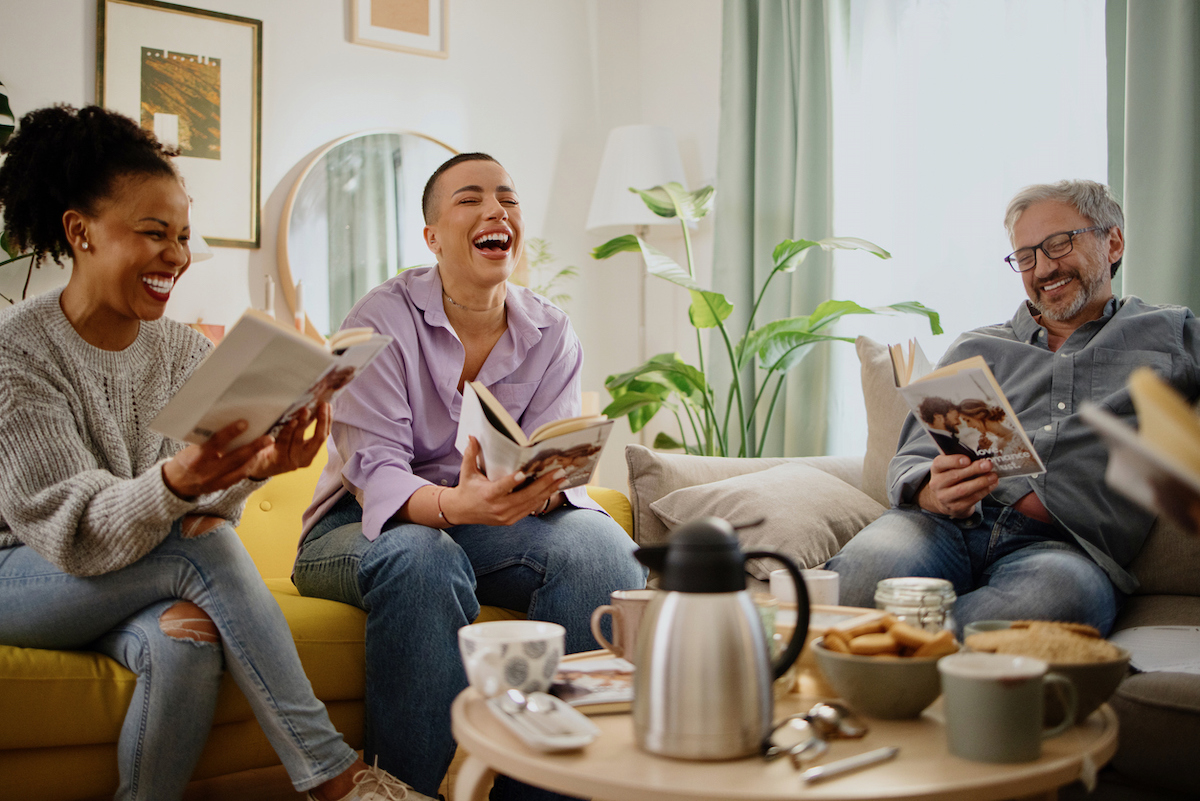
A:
(1087, 293)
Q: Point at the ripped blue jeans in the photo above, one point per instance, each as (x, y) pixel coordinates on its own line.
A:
(171, 712)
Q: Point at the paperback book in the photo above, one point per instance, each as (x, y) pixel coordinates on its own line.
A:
(595, 686)
(265, 373)
(573, 444)
(964, 411)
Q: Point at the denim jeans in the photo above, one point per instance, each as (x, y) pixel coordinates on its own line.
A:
(1004, 567)
(169, 717)
(419, 585)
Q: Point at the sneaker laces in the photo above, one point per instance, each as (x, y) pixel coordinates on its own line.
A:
(373, 782)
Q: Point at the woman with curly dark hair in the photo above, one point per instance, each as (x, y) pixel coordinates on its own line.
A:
(114, 538)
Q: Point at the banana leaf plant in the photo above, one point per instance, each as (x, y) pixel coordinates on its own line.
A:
(725, 421)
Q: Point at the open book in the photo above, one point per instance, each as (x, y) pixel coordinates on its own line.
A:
(264, 373)
(596, 685)
(573, 443)
(964, 411)
(1157, 467)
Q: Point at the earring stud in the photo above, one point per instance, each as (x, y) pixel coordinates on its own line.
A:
(85, 245)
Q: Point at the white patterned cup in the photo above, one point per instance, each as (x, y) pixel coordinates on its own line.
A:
(501, 655)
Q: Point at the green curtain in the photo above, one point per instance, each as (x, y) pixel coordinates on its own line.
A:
(1154, 147)
(774, 182)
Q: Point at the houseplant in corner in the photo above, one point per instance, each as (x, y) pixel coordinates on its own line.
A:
(726, 421)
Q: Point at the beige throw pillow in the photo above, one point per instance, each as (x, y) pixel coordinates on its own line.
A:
(656, 474)
(809, 514)
(886, 411)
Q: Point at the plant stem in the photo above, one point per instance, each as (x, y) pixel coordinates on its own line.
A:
(770, 411)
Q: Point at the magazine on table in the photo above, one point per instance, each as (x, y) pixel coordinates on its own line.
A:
(573, 444)
(964, 411)
(264, 373)
(595, 686)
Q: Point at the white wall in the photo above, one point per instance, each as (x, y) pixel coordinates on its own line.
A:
(537, 83)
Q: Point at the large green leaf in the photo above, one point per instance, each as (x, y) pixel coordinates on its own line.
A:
(665, 369)
(853, 243)
(657, 262)
(831, 311)
(782, 348)
(913, 307)
(708, 309)
(672, 200)
(790, 252)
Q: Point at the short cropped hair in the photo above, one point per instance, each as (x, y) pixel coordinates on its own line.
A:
(427, 198)
(1091, 199)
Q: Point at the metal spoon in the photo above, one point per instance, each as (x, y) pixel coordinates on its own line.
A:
(833, 721)
(515, 702)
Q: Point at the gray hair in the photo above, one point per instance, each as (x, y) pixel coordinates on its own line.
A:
(1091, 199)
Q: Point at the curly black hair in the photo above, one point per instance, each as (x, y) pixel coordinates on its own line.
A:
(61, 158)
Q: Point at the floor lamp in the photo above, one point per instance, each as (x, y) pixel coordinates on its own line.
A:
(639, 156)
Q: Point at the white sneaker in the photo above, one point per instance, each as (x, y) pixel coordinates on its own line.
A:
(375, 784)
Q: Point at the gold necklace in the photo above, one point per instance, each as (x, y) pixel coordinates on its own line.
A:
(456, 304)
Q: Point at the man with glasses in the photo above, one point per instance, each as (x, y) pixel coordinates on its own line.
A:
(1053, 546)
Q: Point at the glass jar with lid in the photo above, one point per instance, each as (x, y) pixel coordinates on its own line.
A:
(926, 603)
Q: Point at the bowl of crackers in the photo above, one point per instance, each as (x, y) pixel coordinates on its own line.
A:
(1075, 650)
(883, 667)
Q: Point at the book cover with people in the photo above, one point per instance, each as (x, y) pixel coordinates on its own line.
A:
(573, 444)
(964, 411)
(265, 373)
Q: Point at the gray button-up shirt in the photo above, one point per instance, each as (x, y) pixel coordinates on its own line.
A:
(1046, 389)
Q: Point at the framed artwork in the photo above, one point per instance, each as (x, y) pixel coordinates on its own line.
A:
(414, 26)
(193, 78)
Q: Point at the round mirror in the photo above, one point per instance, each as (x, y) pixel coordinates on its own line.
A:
(353, 220)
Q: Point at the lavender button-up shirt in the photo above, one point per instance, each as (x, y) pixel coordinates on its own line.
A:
(394, 427)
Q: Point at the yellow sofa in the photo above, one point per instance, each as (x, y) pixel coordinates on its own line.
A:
(61, 711)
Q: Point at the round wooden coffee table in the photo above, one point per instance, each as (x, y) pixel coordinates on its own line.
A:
(614, 769)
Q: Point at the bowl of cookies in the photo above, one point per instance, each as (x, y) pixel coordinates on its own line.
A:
(882, 667)
(1075, 650)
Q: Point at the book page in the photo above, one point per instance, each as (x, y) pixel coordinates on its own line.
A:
(577, 452)
(596, 685)
(964, 411)
(348, 364)
(565, 426)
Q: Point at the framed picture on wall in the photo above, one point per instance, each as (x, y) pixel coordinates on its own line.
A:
(414, 26)
(193, 78)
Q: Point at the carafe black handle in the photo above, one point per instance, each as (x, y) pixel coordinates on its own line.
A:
(792, 652)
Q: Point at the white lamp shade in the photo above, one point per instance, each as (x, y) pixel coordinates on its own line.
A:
(639, 156)
(200, 249)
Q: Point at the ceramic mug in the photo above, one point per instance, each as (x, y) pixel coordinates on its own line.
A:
(994, 705)
(822, 586)
(502, 655)
(626, 611)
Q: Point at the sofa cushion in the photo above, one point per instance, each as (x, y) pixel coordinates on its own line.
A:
(654, 475)
(886, 411)
(1159, 715)
(1166, 565)
(808, 513)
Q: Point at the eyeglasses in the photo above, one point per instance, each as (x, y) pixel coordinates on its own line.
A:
(1054, 246)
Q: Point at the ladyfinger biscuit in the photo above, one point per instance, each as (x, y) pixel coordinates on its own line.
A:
(874, 643)
(835, 642)
(942, 643)
(910, 636)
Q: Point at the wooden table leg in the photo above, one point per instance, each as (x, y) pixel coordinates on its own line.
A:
(474, 780)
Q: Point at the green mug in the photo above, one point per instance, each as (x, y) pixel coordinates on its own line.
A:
(994, 705)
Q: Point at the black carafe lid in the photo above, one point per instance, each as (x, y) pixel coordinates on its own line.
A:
(700, 556)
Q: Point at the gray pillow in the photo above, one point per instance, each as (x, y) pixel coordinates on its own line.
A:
(886, 411)
(809, 514)
(655, 474)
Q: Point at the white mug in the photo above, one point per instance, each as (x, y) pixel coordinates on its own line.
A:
(501, 655)
(822, 586)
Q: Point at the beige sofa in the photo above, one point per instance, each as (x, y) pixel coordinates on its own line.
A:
(812, 506)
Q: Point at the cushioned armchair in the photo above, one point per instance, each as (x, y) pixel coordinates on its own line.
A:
(61, 711)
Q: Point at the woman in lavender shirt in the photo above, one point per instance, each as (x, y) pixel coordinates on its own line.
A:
(407, 528)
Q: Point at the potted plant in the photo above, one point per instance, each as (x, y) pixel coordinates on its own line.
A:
(725, 421)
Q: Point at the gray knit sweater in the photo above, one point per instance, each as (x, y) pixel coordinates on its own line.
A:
(80, 470)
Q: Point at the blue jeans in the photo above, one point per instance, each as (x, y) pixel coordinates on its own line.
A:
(169, 717)
(1005, 567)
(420, 585)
